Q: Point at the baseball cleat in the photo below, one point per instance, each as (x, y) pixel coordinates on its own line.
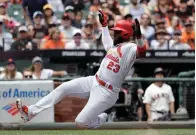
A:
(23, 111)
(103, 118)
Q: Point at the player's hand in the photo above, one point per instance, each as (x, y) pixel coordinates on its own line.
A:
(103, 18)
(137, 30)
(63, 73)
(140, 91)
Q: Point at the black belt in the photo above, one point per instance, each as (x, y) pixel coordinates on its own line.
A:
(161, 112)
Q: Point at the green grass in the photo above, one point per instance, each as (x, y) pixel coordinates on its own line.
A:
(100, 132)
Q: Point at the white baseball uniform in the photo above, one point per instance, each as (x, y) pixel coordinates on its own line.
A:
(113, 70)
(159, 99)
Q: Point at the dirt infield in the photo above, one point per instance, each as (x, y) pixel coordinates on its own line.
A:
(106, 126)
(100, 132)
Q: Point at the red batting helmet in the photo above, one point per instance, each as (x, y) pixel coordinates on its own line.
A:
(125, 27)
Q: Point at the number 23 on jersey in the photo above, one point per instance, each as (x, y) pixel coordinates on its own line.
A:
(114, 67)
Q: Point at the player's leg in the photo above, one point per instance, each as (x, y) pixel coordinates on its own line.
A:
(78, 88)
(139, 113)
(92, 115)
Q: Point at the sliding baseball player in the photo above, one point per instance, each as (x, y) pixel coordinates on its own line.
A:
(103, 88)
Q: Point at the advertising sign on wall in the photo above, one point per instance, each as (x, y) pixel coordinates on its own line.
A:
(29, 92)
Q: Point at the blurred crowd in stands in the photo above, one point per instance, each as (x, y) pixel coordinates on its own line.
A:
(72, 24)
(35, 71)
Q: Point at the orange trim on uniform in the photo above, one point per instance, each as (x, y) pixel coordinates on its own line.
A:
(25, 109)
(119, 50)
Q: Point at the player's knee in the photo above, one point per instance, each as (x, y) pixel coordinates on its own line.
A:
(81, 124)
(63, 89)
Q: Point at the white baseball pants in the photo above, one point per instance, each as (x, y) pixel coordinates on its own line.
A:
(100, 99)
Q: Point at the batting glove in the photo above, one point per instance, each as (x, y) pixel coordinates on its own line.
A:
(137, 30)
(103, 18)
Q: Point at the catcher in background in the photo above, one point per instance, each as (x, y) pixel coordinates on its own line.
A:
(159, 99)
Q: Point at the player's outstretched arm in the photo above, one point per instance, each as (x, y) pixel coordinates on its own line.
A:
(141, 46)
(106, 38)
